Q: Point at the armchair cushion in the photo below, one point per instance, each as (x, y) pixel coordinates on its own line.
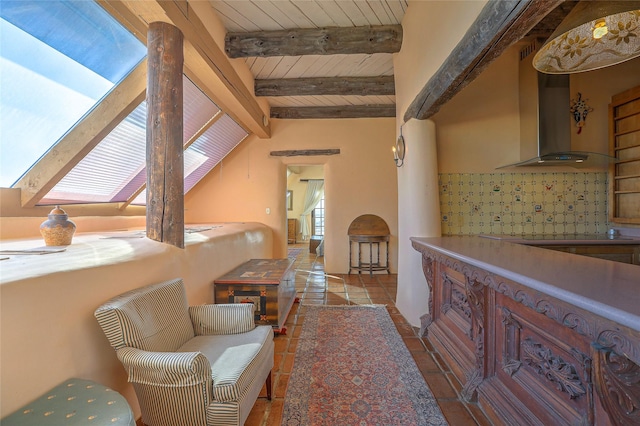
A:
(230, 318)
(236, 360)
(153, 318)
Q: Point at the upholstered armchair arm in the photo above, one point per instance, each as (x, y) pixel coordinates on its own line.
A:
(173, 388)
(174, 369)
(226, 318)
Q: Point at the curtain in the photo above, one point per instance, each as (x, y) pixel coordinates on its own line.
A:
(315, 190)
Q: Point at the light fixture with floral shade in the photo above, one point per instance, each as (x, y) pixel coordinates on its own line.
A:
(595, 34)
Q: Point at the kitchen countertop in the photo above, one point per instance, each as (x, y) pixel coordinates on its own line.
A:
(566, 239)
(608, 289)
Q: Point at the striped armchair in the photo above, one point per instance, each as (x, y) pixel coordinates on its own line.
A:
(199, 365)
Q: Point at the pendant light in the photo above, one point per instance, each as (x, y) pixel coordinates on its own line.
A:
(595, 34)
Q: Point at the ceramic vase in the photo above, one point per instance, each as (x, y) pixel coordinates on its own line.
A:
(58, 230)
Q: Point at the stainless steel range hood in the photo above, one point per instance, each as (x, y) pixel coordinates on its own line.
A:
(545, 120)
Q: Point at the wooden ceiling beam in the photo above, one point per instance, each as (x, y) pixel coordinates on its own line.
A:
(348, 111)
(183, 16)
(500, 24)
(127, 18)
(205, 62)
(315, 41)
(304, 152)
(342, 86)
(83, 137)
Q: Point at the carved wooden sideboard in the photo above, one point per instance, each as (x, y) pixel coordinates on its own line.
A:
(529, 358)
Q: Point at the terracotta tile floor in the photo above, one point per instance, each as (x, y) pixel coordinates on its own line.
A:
(314, 288)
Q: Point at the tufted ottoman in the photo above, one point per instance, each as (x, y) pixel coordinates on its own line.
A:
(74, 402)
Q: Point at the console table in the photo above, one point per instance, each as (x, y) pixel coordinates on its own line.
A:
(267, 283)
(369, 230)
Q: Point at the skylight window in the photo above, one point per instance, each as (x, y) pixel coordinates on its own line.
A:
(52, 73)
(115, 169)
(211, 148)
(58, 60)
(207, 152)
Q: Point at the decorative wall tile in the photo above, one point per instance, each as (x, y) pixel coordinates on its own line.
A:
(523, 203)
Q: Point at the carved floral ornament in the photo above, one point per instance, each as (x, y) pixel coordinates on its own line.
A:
(553, 368)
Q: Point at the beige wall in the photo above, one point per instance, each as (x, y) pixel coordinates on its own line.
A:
(47, 302)
(479, 129)
(360, 180)
(597, 87)
(18, 222)
(430, 32)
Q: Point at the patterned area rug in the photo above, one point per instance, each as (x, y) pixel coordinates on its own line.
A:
(352, 368)
(293, 253)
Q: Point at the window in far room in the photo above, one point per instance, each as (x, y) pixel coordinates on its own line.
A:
(318, 219)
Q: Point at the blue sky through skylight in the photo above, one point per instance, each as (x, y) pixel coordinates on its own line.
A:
(44, 92)
(34, 77)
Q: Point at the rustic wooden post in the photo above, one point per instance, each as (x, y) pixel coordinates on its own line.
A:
(165, 166)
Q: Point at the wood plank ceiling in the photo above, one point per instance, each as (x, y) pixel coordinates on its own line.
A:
(333, 58)
(310, 97)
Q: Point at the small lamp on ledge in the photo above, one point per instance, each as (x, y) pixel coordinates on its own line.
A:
(399, 150)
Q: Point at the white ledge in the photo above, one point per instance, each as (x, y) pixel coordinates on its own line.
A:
(98, 249)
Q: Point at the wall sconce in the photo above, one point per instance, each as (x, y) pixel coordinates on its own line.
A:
(595, 34)
(399, 150)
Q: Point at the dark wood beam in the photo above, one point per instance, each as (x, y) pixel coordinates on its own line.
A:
(342, 86)
(165, 165)
(348, 111)
(500, 24)
(199, 42)
(315, 41)
(543, 29)
(304, 152)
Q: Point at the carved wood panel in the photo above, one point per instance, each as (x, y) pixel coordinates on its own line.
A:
(454, 308)
(549, 370)
(450, 322)
(618, 385)
(530, 358)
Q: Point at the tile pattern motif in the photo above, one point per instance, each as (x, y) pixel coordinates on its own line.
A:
(523, 203)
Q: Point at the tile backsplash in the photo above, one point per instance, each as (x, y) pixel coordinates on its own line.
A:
(523, 203)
